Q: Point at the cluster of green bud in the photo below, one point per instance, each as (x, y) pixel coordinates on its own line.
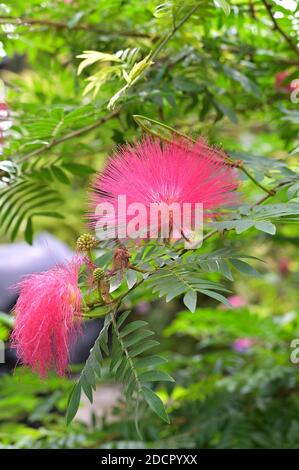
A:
(86, 241)
(98, 274)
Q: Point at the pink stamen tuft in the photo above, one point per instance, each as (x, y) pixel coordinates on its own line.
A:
(156, 172)
(48, 318)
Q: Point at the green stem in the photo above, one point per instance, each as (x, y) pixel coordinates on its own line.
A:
(91, 315)
(70, 135)
(162, 43)
(257, 203)
(139, 270)
(139, 119)
(175, 28)
(122, 296)
(126, 352)
(90, 255)
(241, 166)
(131, 364)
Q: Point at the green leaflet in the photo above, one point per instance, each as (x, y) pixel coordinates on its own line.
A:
(73, 403)
(90, 372)
(128, 343)
(155, 403)
(175, 279)
(221, 261)
(131, 371)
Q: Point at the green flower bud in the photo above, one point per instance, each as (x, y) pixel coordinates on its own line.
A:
(86, 241)
(98, 274)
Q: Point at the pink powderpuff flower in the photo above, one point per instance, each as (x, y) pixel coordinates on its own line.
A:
(4, 109)
(48, 318)
(284, 266)
(154, 172)
(237, 301)
(242, 345)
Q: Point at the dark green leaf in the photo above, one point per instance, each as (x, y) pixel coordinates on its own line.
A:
(29, 232)
(130, 327)
(155, 376)
(74, 402)
(140, 348)
(155, 403)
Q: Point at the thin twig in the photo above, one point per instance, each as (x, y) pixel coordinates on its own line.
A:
(262, 199)
(169, 36)
(62, 25)
(70, 135)
(252, 178)
(255, 204)
(279, 29)
(252, 9)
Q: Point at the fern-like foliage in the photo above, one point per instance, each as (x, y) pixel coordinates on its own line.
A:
(261, 217)
(135, 373)
(34, 193)
(28, 185)
(178, 276)
(169, 13)
(91, 370)
(23, 200)
(222, 261)
(121, 64)
(176, 279)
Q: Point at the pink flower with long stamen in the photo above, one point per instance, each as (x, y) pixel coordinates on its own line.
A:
(154, 172)
(48, 318)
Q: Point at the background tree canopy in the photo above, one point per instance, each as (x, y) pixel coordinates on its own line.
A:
(80, 77)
